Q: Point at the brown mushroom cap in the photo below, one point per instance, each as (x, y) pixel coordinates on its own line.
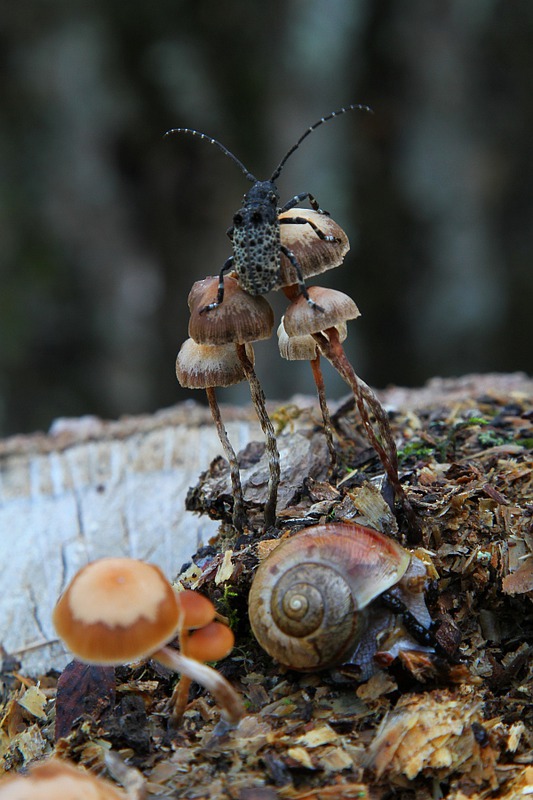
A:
(239, 319)
(302, 348)
(295, 348)
(301, 319)
(196, 610)
(116, 610)
(313, 254)
(200, 366)
(57, 780)
(210, 643)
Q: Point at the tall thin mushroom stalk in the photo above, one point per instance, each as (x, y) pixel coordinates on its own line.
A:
(203, 366)
(240, 320)
(336, 307)
(304, 348)
(314, 254)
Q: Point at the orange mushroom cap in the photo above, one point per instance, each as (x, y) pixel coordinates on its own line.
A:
(116, 610)
(196, 609)
(210, 643)
(57, 780)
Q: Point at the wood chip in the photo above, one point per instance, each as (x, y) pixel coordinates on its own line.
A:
(34, 701)
(320, 735)
(225, 570)
(301, 756)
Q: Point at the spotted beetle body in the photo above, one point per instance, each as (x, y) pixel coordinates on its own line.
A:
(255, 233)
(256, 239)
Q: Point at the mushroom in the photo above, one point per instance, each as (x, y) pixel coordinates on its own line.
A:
(58, 780)
(205, 366)
(196, 611)
(304, 348)
(313, 253)
(210, 642)
(241, 319)
(336, 307)
(117, 610)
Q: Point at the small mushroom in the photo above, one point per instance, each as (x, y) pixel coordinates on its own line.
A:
(304, 348)
(205, 366)
(313, 253)
(336, 308)
(58, 780)
(301, 320)
(241, 319)
(211, 642)
(117, 610)
(196, 610)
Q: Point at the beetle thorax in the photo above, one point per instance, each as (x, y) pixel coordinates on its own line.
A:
(256, 239)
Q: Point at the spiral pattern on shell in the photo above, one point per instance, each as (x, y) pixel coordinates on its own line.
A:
(308, 601)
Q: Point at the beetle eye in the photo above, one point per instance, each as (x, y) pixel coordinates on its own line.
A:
(237, 218)
(272, 197)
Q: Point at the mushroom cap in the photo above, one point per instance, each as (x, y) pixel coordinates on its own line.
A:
(301, 318)
(196, 610)
(116, 610)
(57, 780)
(210, 643)
(295, 348)
(313, 254)
(200, 366)
(239, 319)
(302, 348)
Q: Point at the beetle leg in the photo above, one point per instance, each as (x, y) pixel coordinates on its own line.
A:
(303, 288)
(220, 293)
(302, 221)
(298, 198)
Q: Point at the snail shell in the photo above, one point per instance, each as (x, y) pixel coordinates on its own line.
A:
(308, 600)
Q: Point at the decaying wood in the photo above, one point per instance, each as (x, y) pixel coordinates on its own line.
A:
(420, 727)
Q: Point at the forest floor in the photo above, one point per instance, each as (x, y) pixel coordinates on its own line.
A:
(421, 726)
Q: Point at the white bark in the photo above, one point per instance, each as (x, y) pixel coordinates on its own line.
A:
(93, 489)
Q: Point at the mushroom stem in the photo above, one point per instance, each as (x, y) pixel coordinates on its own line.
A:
(180, 695)
(222, 691)
(326, 419)
(239, 514)
(259, 401)
(330, 345)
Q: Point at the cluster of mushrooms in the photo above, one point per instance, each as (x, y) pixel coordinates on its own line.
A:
(115, 611)
(219, 351)
(118, 610)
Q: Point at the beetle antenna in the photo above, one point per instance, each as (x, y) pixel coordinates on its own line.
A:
(220, 146)
(277, 171)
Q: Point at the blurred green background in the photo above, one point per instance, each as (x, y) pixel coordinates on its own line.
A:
(104, 225)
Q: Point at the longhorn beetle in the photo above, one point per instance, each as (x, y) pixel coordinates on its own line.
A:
(255, 233)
